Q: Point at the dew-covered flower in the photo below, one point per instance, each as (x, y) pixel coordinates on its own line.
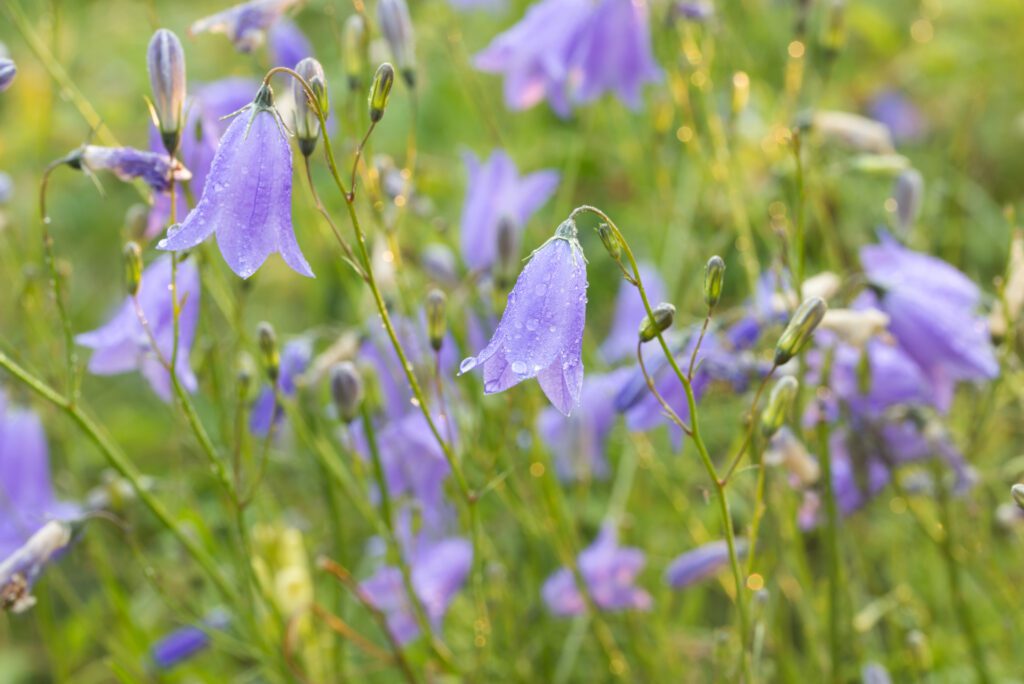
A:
(247, 197)
(573, 51)
(933, 315)
(495, 192)
(123, 344)
(540, 334)
(186, 642)
(610, 573)
(245, 24)
(266, 411)
(438, 568)
(579, 441)
(629, 312)
(288, 44)
(128, 164)
(700, 563)
(8, 70)
(900, 115)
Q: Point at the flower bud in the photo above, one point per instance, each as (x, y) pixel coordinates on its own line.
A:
(306, 122)
(852, 131)
(381, 90)
(780, 402)
(8, 70)
(355, 44)
(908, 193)
(740, 92)
(245, 372)
(269, 354)
(436, 322)
(396, 25)
(835, 33)
(1017, 491)
(136, 220)
(796, 335)
(132, 254)
(714, 277)
(346, 390)
(165, 60)
(610, 241)
(664, 314)
(507, 262)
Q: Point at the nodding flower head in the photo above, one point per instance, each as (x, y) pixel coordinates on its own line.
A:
(165, 60)
(540, 335)
(8, 70)
(700, 563)
(156, 169)
(396, 25)
(245, 24)
(247, 197)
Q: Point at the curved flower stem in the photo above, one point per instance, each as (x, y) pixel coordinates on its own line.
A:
(750, 428)
(696, 347)
(669, 411)
(351, 195)
(800, 237)
(124, 467)
(350, 256)
(832, 548)
(705, 457)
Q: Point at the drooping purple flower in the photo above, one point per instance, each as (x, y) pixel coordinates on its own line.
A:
(186, 642)
(128, 164)
(199, 141)
(541, 331)
(396, 25)
(247, 196)
(629, 312)
(904, 119)
(572, 52)
(439, 569)
(123, 344)
(8, 70)
(27, 500)
(495, 192)
(295, 358)
(579, 442)
(245, 24)
(288, 44)
(700, 563)
(932, 310)
(610, 573)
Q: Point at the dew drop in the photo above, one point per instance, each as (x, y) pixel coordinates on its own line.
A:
(518, 367)
(467, 365)
(540, 290)
(532, 324)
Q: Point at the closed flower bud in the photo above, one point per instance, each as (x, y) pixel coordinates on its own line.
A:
(714, 277)
(8, 70)
(396, 25)
(835, 33)
(796, 335)
(436, 318)
(355, 42)
(307, 122)
(507, 253)
(132, 254)
(165, 60)
(346, 390)
(610, 241)
(780, 401)
(269, 353)
(664, 314)
(381, 90)
(245, 373)
(908, 194)
(1018, 494)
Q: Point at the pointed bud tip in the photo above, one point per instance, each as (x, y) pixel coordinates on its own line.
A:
(714, 278)
(664, 315)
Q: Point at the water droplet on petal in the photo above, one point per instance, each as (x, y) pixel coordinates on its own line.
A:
(532, 324)
(518, 367)
(467, 365)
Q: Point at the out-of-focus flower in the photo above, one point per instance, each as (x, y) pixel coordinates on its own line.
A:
(610, 573)
(541, 331)
(932, 311)
(288, 44)
(488, 5)
(185, 643)
(495, 192)
(699, 11)
(245, 24)
(165, 60)
(8, 70)
(123, 344)
(852, 131)
(201, 136)
(579, 442)
(20, 570)
(438, 568)
(874, 673)
(266, 411)
(902, 117)
(1007, 308)
(128, 164)
(6, 188)
(855, 326)
(396, 25)
(629, 312)
(281, 563)
(355, 44)
(786, 450)
(908, 193)
(247, 196)
(572, 52)
(700, 563)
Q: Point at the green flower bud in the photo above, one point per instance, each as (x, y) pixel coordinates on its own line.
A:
(346, 390)
(714, 277)
(610, 240)
(437, 323)
(797, 334)
(780, 402)
(306, 122)
(355, 44)
(245, 371)
(132, 267)
(664, 314)
(381, 90)
(270, 356)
